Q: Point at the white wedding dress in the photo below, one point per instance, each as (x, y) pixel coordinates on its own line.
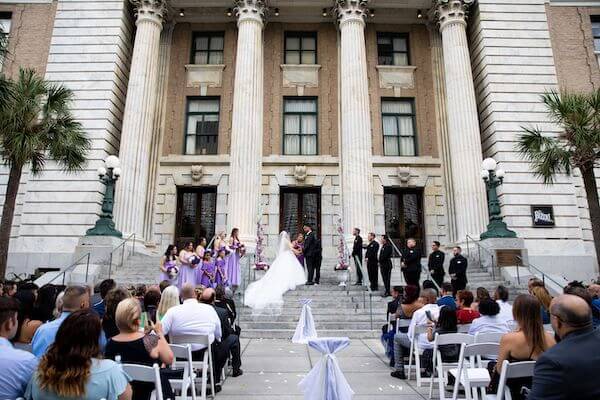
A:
(266, 294)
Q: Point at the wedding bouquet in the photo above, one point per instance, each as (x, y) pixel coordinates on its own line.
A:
(194, 260)
(172, 272)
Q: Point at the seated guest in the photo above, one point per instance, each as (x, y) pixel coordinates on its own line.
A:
(224, 301)
(481, 293)
(594, 290)
(534, 282)
(397, 293)
(569, 369)
(58, 305)
(429, 284)
(193, 318)
(163, 285)
(151, 300)
(410, 303)
(541, 293)
(489, 320)
(526, 344)
(112, 300)
(423, 316)
(446, 323)
(137, 347)
(44, 303)
(447, 299)
(577, 288)
(230, 342)
(9, 288)
(506, 310)
(73, 366)
(75, 298)
(27, 325)
(168, 299)
(465, 314)
(98, 304)
(17, 366)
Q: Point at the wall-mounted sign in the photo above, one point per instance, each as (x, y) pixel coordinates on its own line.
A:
(543, 216)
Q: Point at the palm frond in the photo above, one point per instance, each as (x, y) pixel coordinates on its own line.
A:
(547, 155)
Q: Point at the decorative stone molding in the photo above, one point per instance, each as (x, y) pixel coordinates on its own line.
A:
(250, 10)
(351, 10)
(197, 173)
(150, 10)
(204, 76)
(300, 173)
(449, 12)
(403, 174)
(300, 76)
(396, 77)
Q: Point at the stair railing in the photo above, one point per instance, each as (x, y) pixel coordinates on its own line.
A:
(120, 248)
(366, 283)
(72, 267)
(486, 251)
(533, 269)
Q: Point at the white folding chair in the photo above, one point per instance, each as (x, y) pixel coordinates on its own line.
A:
(416, 352)
(389, 321)
(439, 366)
(402, 323)
(183, 358)
(472, 372)
(143, 373)
(463, 328)
(521, 369)
(488, 337)
(207, 363)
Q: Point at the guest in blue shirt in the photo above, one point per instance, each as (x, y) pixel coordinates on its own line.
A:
(447, 300)
(17, 366)
(105, 286)
(75, 298)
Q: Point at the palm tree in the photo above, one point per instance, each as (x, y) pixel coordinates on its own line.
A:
(577, 146)
(36, 126)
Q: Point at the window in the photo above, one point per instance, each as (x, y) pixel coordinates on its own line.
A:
(300, 126)
(596, 32)
(202, 129)
(207, 48)
(392, 48)
(398, 118)
(4, 31)
(300, 48)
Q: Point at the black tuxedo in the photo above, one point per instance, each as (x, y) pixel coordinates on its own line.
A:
(458, 267)
(229, 344)
(385, 264)
(371, 256)
(412, 266)
(436, 266)
(357, 250)
(313, 255)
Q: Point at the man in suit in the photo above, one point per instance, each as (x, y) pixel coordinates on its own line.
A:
(569, 369)
(411, 260)
(372, 261)
(312, 254)
(458, 271)
(385, 263)
(436, 263)
(357, 255)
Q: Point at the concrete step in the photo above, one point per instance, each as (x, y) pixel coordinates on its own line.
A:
(319, 325)
(289, 333)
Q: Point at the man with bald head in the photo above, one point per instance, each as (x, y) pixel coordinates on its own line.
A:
(569, 370)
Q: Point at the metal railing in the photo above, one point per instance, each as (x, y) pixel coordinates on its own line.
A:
(486, 251)
(533, 269)
(120, 248)
(72, 267)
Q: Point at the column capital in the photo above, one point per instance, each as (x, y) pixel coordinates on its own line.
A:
(254, 10)
(351, 10)
(448, 12)
(150, 10)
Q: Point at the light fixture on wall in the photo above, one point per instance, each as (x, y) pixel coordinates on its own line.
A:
(371, 13)
(325, 12)
(182, 13)
(229, 12)
(419, 14)
(276, 12)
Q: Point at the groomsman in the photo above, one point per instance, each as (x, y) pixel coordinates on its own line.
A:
(385, 263)
(436, 263)
(458, 271)
(371, 259)
(312, 254)
(357, 255)
(411, 260)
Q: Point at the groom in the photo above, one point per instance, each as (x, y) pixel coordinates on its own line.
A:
(312, 253)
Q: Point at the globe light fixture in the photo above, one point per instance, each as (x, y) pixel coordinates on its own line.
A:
(109, 173)
(489, 164)
(493, 178)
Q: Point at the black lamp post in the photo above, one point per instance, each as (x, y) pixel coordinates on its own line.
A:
(109, 175)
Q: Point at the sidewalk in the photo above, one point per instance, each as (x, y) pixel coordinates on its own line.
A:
(273, 368)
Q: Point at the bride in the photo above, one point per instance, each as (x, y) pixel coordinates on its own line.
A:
(285, 274)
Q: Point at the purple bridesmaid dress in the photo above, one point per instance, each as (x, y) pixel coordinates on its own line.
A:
(220, 271)
(233, 265)
(207, 268)
(187, 272)
(165, 276)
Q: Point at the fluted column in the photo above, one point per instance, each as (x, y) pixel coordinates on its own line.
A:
(355, 143)
(138, 118)
(247, 121)
(464, 138)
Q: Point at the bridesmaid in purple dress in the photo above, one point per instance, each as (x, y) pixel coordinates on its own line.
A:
(168, 261)
(187, 271)
(233, 261)
(207, 272)
(220, 267)
(298, 248)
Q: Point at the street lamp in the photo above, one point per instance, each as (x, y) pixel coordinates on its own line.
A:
(109, 174)
(493, 178)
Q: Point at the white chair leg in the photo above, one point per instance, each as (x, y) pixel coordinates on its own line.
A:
(433, 373)
(211, 367)
(410, 359)
(205, 369)
(418, 367)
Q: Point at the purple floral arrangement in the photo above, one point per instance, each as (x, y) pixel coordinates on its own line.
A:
(172, 271)
(260, 264)
(194, 260)
(342, 264)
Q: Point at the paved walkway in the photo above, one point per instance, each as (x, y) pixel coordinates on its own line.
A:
(273, 368)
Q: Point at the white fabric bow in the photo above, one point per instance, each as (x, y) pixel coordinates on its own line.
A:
(305, 330)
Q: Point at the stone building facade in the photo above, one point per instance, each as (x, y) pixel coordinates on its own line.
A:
(373, 113)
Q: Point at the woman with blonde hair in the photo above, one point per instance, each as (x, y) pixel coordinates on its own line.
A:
(541, 293)
(73, 366)
(168, 299)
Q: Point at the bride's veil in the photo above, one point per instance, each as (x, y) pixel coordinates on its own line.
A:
(284, 243)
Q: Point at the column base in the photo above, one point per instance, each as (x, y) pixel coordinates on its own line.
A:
(105, 226)
(497, 229)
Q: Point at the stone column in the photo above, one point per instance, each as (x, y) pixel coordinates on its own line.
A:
(138, 118)
(355, 137)
(463, 124)
(247, 121)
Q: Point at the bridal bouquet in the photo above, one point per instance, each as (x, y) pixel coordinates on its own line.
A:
(172, 272)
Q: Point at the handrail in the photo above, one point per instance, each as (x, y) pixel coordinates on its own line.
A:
(366, 282)
(72, 267)
(479, 248)
(529, 266)
(122, 247)
(423, 268)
